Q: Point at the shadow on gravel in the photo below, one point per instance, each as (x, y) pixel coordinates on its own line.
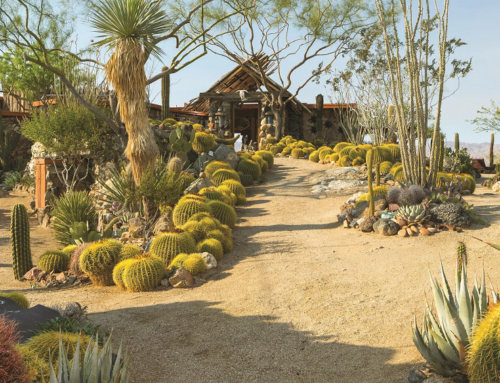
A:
(197, 342)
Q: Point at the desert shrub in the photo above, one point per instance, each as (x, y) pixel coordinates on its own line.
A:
(12, 367)
(69, 209)
(11, 180)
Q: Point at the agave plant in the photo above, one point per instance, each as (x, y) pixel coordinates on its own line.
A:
(95, 368)
(412, 215)
(443, 340)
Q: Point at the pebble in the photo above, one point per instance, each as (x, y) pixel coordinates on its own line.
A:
(402, 233)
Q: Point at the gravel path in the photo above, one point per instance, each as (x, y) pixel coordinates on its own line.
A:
(299, 300)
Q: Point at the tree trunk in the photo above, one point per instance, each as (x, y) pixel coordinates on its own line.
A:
(278, 122)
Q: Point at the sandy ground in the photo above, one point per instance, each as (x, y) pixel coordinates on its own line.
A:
(299, 300)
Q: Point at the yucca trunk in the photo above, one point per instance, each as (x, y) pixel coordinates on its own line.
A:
(125, 71)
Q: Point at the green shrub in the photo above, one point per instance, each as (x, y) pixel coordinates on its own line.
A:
(11, 180)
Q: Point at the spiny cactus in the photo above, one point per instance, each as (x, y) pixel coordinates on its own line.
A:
(441, 153)
(286, 151)
(314, 156)
(492, 147)
(53, 261)
(165, 95)
(177, 261)
(212, 246)
(385, 167)
(238, 189)
(99, 259)
(231, 197)
(382, 154)
(406, 198)
(175, 165)
(346, 152)
(227, 243)
(69, 250)
(324, 153)
(195, 229)
(266, 156)
(457, 143)
(271, 140)
(186, 208)
(393, 195)
(341, 145)
(222, 175)
(129, 251)
(395, 150)
(20, 238)
(369, 163)
(418, 193)
(108, 229)
(249, 166)
(194, 263)
(275, 149)
(357, 152)
(483, 357)
(144, 273)
(260, 161)
(297, 153)
(118, 272)
(168, 245)
(344, 161)
(223, 212)
(74, 263)
(211, 193)
(203, 142)
(19, 299)
(246, 180)
(398, 174)
(264, 166)
(213, 166)
(461, 258)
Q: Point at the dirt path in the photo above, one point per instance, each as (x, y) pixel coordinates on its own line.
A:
(299, 300)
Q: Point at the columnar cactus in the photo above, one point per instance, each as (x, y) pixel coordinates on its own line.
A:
(165, 95)
(20, 238)
(144, 273)
(377, 175)
(492, 146)
(457, 143)
(369, 163)
(441, 154)
(319, 115)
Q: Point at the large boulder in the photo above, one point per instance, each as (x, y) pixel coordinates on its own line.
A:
(386, 227)
(225, 153)
(181, 278)
(366, 225)
(198, 184)
(362, 210)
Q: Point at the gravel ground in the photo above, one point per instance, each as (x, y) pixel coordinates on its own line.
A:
(300, 299)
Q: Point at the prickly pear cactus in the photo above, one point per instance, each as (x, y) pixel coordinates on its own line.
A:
(20, 238)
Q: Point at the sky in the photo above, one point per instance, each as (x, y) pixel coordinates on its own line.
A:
(475, 22)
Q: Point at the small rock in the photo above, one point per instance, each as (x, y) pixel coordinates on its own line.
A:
(416, 376)
(165, 282)
(32, 275)
(198, 184)
(432, 229)
(414, 229)
(386, 227)
(367, 225)
(181, 278)
(50, 284)
(346, 225)
(72, 279)
(410, 232)
(202, 175)
(424, 231)
(61, 277)
(402, 233)
(210, 261)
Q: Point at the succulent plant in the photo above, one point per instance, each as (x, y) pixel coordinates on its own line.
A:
(412, 215)
(275, 149)
(483, 357)
(194, 263)
(246, 180)
(175, 165)
(19, 299)
(212, 246)
(406, 198)
(129, 251)
(395, 151)
(341, 145)
(118, 272)
(418, 192)
(358, 152)
(223, 212)
(271, 140)
(99, 259)
(232, 199)
(81, 233)
(74, 262)
(334, 157)
(297, 153)
(213, 166)
(324, 153)
(186, 208)
(90, 366)
(238, 189)
(20, 239)
(382, 154)
(443, 340)
(168, 245)
(346, 152)
(451, 214)
(314, 156)
(211, 193)
(53, 260)
(264, 166)
(266, 156)
(222, 175)
(286, 151)
(203, 142)
(144, 273)
(358, 161)
(227, 243)
(393, 195)
(385, 167)
(398, 174)
(68, 250)
(343, 161)
(14, 367)
(177, 261)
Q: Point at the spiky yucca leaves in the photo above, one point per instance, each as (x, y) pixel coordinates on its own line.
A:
(45, 346)
(203, 142)
(168, 245)
(483, 357)
(382, 154)
(266, 156)
(213, 166)
(343, 161)
(444, 339)
(70, 208)
(223, 212)
(177, 261)
(246, 180)
(19, 298)
(238, 189)
(227, 243)
(74, 263)
(128, 27)
(212, 246)
(187, 207)
(357, 152)
(231, 197)
(222, 175)
(385, 167)
(118, 272)
(325, 152)
(99, 259)
(129, 251)
(144, 273)
(249, 166)
(53, 260)
(20, 239)
(314, 156)
(194, 263)
(341, 145)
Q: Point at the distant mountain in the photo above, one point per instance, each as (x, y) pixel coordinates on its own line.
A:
(476, 150)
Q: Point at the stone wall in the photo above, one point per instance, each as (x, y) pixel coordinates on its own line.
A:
(331, 126)
(295, 123)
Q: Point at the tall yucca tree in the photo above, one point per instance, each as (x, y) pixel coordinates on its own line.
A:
(127, 28)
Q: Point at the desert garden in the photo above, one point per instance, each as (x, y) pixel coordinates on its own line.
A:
(246, 236)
